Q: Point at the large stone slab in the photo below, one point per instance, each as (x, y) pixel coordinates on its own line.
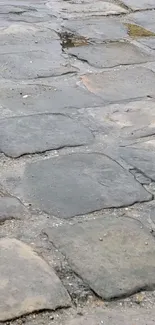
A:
(91, 182)
(11, 208)
(27, 283)
(116, 317)
(39, 133)
(141, 156)
(110, 55)
(59, 96)
(39, 62)
(121, 84)
(100, 29)
(84, 9)
(140, 4)
(114, 256)
(143, 18)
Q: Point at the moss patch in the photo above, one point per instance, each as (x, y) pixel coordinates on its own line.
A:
(138, 31)
(70, 40)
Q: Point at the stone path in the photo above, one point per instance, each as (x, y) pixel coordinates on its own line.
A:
(77, 162)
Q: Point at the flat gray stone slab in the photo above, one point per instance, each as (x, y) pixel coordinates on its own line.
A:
(11, 208)
(27, 283)
(141, 156)
(132, 120)
(61, 96)
(109, 254)
(145, 19)
(148, 41)
(110, 55)
(91, 182)
(140, 4)
(85, 9)
(39, 62)
(39, 133)
(100, 29)
(121, 84)
(115, 317)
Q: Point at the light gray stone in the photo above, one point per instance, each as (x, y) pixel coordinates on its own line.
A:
(11, 208)
(121, 84)
(85, 9)
(145, 19)
(39, 133)
(140, 4)
(27, 283)
(109, 254)
(110, 55)
(148, 41)
(76, 184)
(100, 29)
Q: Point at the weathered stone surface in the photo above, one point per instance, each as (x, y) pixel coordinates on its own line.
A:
(100, 29)
(110, 254)
(121, 84)
(140, 4)
(11, 208)
(38, 133)
(38, 62)
(143, 18)
(148, 41)
(116, 317)
(132, 120)
(22, 99)
(91, 182)
(141, 156)
(27, 283)
(85, 9)
(110, 55)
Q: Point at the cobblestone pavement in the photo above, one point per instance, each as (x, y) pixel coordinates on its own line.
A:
(77, 162)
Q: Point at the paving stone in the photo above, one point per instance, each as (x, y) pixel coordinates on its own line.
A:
(115, 317)
(92, 182)
(11, 208)
(144, 18)
(141, 156)
(121, 84)
(27, 283)
(110, 55)
(59, 96)
(132, 120)
(39, 133)
(148, 41)
(140, 4)
(109, 254)
(74, 9)
(100, 29)
(38, 62)
(145, 212)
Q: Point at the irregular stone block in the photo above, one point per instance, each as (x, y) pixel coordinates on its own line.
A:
(11, 208)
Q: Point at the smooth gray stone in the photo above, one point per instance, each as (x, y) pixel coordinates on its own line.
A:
(11, 208)
(110, 55)
(76, 184)
(140, 4)
(148, 41)
(121, 84)
(39, 133)
(27, 283)
(145, 19)
(110, 254)
(100, 29)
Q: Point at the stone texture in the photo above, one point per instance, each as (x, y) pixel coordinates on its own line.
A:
(91, 182)
(27, 282)
(110, 55)
(100, 29)
(39, 133)
(58, 96)
(85, 9)
(148, 41)
(144, 18)
(121, 84)
(141, 156)
(140, 4)
(115, 317)
(11, 208)
(109, 254)
(38, 62)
